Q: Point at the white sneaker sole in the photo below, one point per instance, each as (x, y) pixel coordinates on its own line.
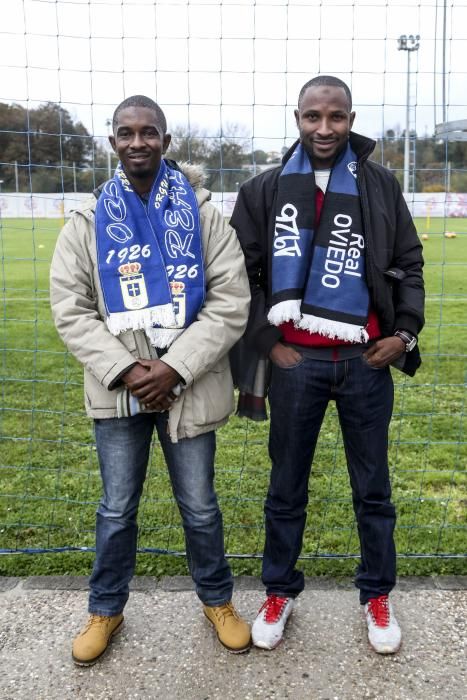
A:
(386, 650)
(264, 645)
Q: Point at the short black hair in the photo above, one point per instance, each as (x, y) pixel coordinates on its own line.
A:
(326, 80)
(141, 101)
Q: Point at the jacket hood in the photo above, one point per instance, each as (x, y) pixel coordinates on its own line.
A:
(195, 174)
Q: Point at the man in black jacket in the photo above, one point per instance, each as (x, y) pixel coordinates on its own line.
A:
(335, 268)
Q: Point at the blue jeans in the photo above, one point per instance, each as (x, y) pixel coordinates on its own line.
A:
(123, 446)
(298, 399)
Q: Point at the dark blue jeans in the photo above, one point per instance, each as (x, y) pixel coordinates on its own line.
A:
(298, 399)
(123, 446)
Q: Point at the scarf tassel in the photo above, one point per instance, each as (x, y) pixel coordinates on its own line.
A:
(140, 320)
(285, 311)
(333, 329)
(163, 337)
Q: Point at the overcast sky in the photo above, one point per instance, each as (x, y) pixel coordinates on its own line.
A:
(211, 64)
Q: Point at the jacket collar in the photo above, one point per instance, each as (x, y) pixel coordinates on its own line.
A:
(361, 145)
(195, 175)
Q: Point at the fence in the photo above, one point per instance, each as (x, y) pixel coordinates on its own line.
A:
(227, 74)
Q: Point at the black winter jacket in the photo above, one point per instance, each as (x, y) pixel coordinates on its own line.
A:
(394, 259)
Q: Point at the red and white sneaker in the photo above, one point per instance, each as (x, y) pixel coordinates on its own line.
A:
(268, 628)
(384, 633)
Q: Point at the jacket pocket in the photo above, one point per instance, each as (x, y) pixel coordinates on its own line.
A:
(97, 397)
(212, 398)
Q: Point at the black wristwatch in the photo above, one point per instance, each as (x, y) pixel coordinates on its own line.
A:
(409, 339)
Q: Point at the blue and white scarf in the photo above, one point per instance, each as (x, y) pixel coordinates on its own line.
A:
(318, 277)
(150, 256)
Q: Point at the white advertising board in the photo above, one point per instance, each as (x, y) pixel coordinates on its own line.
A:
(57, 206)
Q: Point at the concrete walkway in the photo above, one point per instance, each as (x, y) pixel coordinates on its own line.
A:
(167, 650)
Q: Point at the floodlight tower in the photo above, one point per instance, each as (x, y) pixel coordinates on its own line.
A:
(407, 43)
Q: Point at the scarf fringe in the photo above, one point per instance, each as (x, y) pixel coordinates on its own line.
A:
(333, 329)
(143, 319)
(163, 337)
(285, 311)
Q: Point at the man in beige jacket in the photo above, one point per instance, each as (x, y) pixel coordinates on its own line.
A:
(149, 292)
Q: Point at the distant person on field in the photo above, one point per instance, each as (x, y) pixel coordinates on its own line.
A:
(335, 268)
(149, 292)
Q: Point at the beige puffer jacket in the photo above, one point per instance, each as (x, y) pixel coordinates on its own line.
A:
(199, 355)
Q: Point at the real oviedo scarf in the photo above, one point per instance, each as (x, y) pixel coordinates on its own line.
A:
(318, 277)
(150, 256)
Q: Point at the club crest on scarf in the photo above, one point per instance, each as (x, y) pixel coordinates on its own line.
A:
(352, 166)
(150, 255)
(179, 302)
(134, 293)
(318, 276)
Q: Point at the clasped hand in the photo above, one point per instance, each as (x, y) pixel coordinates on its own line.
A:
(152, 382)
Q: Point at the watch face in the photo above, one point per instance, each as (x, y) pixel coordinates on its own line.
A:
(409, 339)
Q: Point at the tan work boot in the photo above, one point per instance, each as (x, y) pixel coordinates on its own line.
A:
(94, 638)
(232, 631)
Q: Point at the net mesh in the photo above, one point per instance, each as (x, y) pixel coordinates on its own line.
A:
(227, 75)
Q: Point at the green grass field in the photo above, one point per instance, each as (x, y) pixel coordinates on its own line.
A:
(50, 483)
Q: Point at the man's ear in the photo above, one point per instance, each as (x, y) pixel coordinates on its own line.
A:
(297, 117)
(112, 142)
(166, 142)
(352, 119)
